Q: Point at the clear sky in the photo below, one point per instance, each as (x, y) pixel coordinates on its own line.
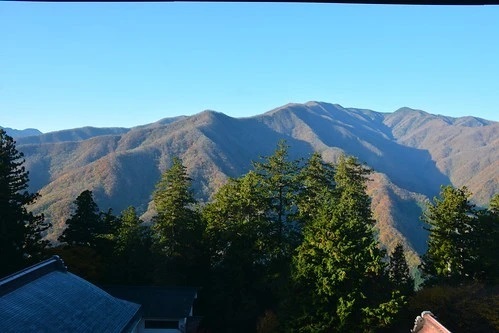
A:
(67, 65)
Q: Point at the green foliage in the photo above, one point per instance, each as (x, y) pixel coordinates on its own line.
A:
(132, 257)
(173, 201)
(131, 232)
(20, 231)
(339, 276)
(251, 235)
(452, 244)
(317, 180)
(399, 272)
(177, 228)
(494, 204)
(84, 224)
(487, 243)
(84, 261)
(87, 241)
(278, 185)
(237, 233)
(236, 223)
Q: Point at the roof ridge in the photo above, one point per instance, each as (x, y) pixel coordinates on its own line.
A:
(31, 273)
(427, 318)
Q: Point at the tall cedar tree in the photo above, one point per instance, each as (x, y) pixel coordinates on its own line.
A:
(252, 231)
(278, 183)
(452, 243)
(238, 234)
(317, 181)
(21, 231)
(84, 224)
(399, 272)
(487, 240)
(177, 227)
(132, 250)
(339, 274)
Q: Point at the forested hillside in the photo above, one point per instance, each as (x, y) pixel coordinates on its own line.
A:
(292, 245)
(412, 153)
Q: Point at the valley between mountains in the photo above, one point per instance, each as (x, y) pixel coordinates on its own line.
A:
(411, 151)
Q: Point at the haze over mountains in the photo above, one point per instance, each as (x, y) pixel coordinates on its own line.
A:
(412, 152)
(20, 133)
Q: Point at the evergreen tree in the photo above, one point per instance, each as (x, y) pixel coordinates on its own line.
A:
(131, 262)
(252, 230)
(238, 234)
(177, 227)
(84, 224)
(494, 204)
(316, 179)
(278, 184)
(452, 244)
(109, 223)
(279, 187)
(340, 284)
(236, 222)
(487, 242)
(399, 272)
(21, 231)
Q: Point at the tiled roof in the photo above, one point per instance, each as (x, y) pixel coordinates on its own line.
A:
(47, 298)
(157, 301)
(427, 323)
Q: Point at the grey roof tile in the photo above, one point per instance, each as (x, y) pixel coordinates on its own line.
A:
(47, 298)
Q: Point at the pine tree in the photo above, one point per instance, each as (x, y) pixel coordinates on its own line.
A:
(84, 224)
(177, 226)
(278, 183)
(252, 230)
(132, 250)
(240, 246)
(399, 272)
(451, 256)
(487, 243)
(340, 284)
(21, 231)
(316, 179)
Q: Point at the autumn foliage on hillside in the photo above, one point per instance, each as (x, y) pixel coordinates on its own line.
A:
(293, 245)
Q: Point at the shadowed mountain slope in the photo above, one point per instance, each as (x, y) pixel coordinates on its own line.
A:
(361, 133)
(412, 152)
(465, 149)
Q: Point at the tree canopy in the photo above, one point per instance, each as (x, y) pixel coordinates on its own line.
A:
(21, 232)
(289, 246)
(177, 226)
(451, 254)
(85, 222)
(339, 274)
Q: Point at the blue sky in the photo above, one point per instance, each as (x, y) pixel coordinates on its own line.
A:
(67, 65)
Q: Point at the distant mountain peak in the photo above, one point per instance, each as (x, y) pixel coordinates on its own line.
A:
(15, 133)
(465, 121)
(211, 111)
(406, 109)
(325, 104)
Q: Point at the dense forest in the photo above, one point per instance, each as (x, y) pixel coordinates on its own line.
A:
(290, 246)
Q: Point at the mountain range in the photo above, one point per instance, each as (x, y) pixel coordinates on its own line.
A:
(21, 133)
(411, 151)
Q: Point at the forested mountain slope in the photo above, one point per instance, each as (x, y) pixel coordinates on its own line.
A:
(412, 152)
